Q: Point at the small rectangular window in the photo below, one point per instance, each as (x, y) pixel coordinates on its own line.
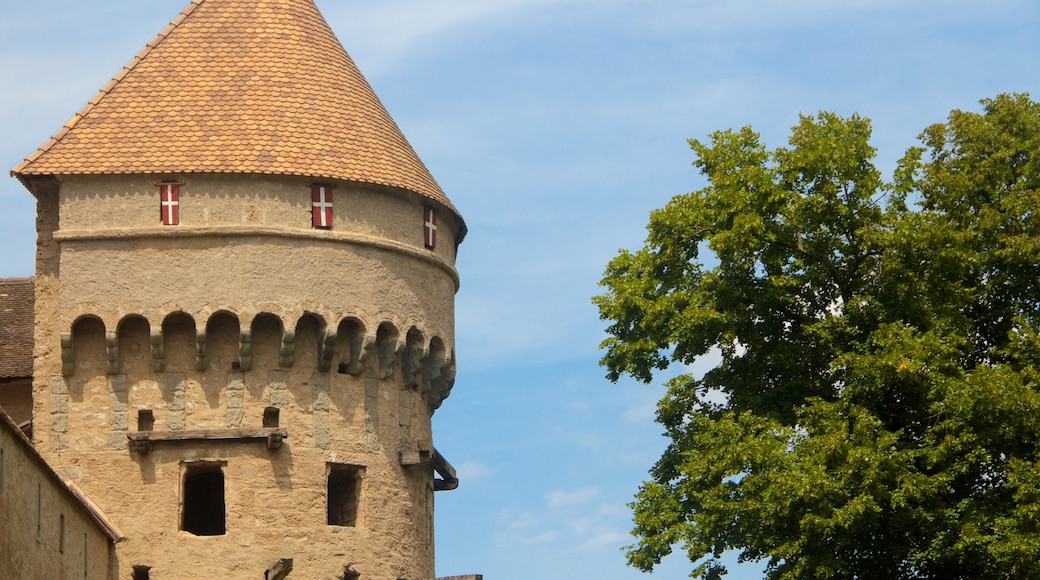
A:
(344, 494)
(142, 572)
(271, 417)
(145, 420)
(203, 510)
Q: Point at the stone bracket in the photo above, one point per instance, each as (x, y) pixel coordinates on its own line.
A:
(286, 352)
(112, 350)
(326, 351)
(68, 358)
(158, 356)
(245, 350)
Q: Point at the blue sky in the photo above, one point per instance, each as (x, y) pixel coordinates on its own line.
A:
(555, 126)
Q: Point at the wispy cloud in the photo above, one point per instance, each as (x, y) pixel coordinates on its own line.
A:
(558, 498)
(470, 470)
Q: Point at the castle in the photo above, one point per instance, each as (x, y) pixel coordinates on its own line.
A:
(242, 320)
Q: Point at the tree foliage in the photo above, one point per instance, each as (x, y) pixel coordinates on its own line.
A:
(876, 409)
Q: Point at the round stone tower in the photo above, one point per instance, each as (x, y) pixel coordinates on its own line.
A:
(245, 307)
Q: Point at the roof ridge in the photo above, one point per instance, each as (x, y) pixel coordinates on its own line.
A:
(105, 90)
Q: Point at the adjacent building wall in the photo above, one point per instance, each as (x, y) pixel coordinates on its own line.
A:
(46, 530)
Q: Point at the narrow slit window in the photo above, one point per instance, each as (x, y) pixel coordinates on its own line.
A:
(271, 417)
(1, 470)
(39, 510)
(61, 534)
(169, 204)
(344, 494)
(203, 508)
(145, 420)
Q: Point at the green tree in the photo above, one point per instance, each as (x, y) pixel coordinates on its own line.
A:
(876, 409)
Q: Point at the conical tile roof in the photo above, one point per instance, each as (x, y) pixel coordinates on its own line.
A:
(239, 86)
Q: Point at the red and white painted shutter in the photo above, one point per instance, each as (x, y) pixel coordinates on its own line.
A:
(321, 206)
(430, 227)
(169, 204)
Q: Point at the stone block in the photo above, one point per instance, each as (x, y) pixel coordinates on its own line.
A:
(321, 401)
(59, 404)
(280, 399)
(60, 443)
(175, 420)
(117, 440)
(117, 383)
(119, 402)
(278, 380)
(59, 386)
(235, 399)
(371, 388)
(175, 382)
(234, 417)
(321, 430)
(60, 423)
(236, 382)
(177, 401)
(119, 421)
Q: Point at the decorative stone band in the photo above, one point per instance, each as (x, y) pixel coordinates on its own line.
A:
(182, 231)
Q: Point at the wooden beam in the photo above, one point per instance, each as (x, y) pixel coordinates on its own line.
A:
(142, 441)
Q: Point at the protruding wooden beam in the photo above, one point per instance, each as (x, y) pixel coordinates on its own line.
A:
(143, 441)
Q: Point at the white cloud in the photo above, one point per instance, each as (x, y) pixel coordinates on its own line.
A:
(558, 498)
(606, 539)
(543, 538)
(470, 470)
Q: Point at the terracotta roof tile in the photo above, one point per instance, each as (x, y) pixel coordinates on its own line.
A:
(239, 86)
(16, 327)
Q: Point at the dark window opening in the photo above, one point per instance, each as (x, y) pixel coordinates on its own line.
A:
(351, 574)
(344, 494)
(204, 512)
(342, 368)
(145, 420)
(61, 534)
(141, 572)
(271, 417)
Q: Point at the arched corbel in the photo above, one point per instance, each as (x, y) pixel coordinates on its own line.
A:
(68, 359)
(361, 349)
(389, 351)
(433, 369)
(245, 349)
(286, 352)
(158, 360)
(326, 351)
(200, 350)
(412, 363)
(440, 387)
(112, 348)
